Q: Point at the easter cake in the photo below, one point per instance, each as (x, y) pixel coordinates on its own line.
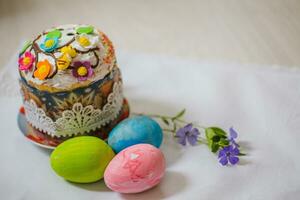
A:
(70, 84)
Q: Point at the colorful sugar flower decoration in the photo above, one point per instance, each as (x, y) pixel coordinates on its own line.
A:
(217, 140)
(49, 44)
(63, 62)
(43, 70)
(26, 61)
(68, 50)
(82, 70)
(83, 40)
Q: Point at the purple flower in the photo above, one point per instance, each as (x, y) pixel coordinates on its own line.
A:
(187, 133)
(233, 135)
(229, 153)
(82, 70)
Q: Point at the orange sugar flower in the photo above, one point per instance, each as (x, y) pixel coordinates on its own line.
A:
(43, 70)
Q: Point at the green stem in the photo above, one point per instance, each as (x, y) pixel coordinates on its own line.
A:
(202, 140)
(168, 130)
(194, 123)
(171, 118)
(155, 115)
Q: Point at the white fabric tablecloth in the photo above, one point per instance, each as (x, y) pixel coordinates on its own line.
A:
(262, 103)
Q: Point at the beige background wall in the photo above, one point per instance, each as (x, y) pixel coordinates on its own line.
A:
(243, 31)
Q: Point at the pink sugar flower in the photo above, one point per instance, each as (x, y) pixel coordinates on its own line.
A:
(26, 61)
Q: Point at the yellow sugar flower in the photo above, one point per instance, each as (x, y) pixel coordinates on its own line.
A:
(68, 50)
(84, 41)
(63, 62)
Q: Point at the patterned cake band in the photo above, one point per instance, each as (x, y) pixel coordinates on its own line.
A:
(75, 112)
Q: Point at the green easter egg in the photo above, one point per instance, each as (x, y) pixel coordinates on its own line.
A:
(54, 34)
(81, 159)
(85, 29)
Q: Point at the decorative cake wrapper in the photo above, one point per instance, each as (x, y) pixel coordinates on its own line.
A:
(50, 142)
(79, 111)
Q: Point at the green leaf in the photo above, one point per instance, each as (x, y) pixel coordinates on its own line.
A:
(215, 138)
(209, 133)
(165, 120)
(223, 142)
(178, 115)
(25, 47)
(85, 29)
(214, 147)
(54, 34)
(219, 131)
(242, 154)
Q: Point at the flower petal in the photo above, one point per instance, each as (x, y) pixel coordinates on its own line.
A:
(87, 64)
(90, 72)
(181, 132)
(227, 148)
(82, 78)
(222, 153)
(77, 64)
(182, 140)
(233, 160)
(188, 127)
(233, 133)
(235, 151)
(195, 132)
(192, 139)
(21, 60)
(223, 160)
(230, 148)
(233, 142)
(28, 54)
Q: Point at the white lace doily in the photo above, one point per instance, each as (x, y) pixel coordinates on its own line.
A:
(80, 119)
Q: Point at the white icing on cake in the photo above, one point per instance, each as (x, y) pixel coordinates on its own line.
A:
(64, 79)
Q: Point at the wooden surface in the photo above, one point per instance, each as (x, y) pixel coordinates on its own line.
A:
(242, 31)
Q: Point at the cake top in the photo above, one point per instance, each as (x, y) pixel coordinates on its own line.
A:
(66, 57)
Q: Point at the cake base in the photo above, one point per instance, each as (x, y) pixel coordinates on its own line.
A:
(47, 141)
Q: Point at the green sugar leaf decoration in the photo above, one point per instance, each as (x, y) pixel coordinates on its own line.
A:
(85, 29)
(54, 34)
(25, 46)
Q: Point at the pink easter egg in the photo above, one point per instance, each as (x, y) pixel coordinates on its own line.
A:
(135, 169)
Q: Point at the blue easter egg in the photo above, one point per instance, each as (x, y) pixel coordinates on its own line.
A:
(135, 130)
